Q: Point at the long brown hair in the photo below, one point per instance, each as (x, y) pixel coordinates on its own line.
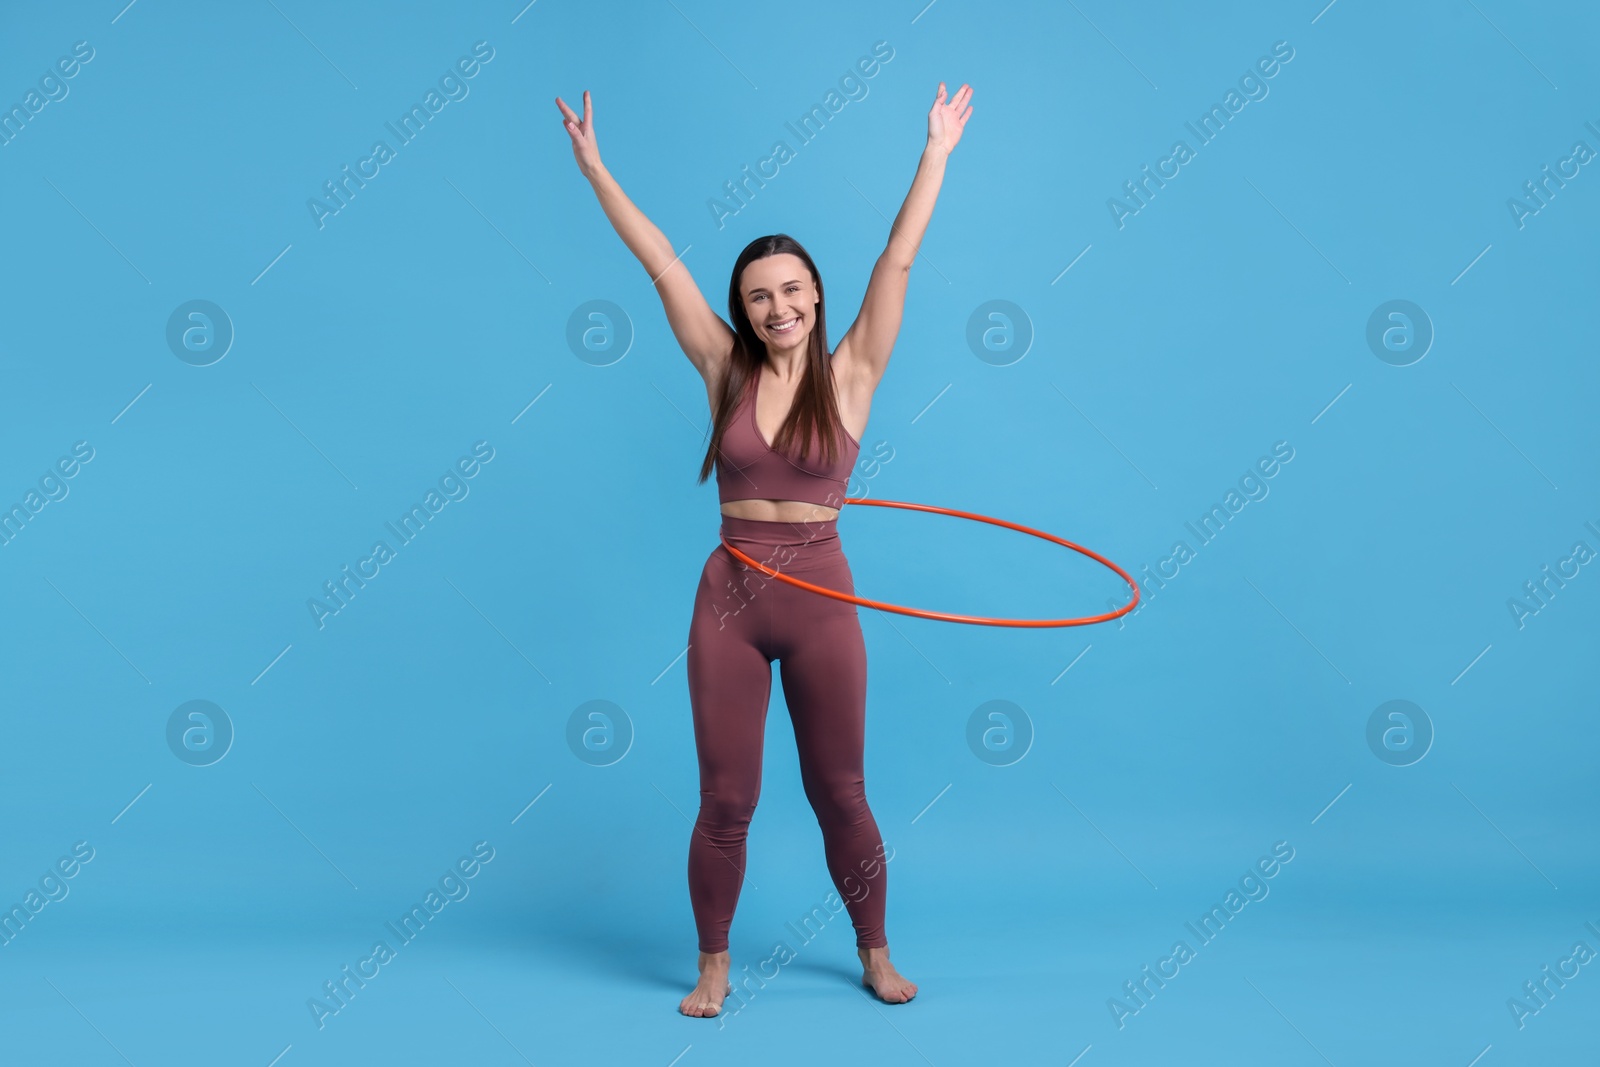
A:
(814, 404)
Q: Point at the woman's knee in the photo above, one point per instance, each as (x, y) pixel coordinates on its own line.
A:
(843, 798)
(727, 809)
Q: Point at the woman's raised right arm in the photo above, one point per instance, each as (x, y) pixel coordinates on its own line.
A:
(704, 337)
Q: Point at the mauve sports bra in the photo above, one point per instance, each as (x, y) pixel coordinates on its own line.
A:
(748, 468)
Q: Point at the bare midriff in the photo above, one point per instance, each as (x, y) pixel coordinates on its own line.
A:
(779, 510)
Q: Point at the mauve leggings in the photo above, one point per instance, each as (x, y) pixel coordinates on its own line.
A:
(742, 621)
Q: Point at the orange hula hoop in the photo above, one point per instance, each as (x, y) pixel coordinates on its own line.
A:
(941, 616)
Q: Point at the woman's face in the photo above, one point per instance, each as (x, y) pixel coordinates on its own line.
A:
(778, 292)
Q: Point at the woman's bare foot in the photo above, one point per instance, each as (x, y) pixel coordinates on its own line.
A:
(706, 1000)
(879, 975)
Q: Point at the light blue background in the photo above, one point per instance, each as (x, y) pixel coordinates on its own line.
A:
(1227, 714)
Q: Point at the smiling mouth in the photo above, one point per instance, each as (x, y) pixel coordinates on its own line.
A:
(788, 326)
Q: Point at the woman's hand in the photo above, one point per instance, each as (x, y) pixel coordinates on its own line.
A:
(584, 149)
(947, 120)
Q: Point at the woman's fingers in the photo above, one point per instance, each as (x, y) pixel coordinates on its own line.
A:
(948, 117)
(584, 124)
(962, 96)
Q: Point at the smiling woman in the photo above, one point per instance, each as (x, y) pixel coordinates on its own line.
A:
(788, 417)
(775, 299)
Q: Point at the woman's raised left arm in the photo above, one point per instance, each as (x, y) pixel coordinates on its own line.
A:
(866, 346)
(945, 123)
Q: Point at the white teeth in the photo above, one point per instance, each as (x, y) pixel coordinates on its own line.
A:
(786, 328)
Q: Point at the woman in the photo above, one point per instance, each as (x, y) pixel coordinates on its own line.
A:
(769, 378)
